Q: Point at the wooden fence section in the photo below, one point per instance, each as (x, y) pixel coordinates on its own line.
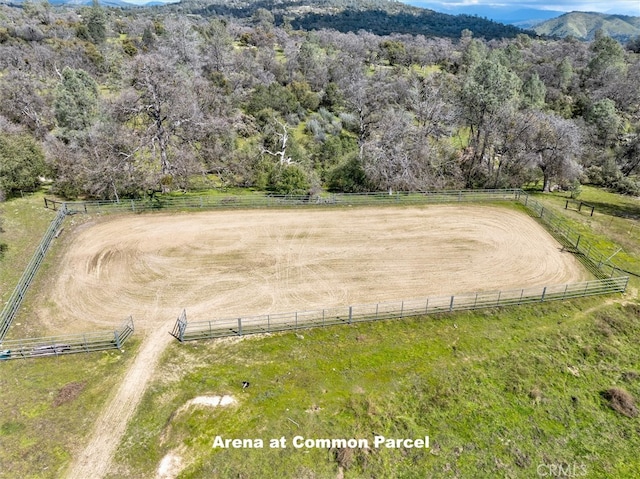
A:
(575, 204)
(67, 344)
(266, 323)
(15, 300)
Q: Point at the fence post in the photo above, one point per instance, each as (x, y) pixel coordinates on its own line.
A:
(239, 327)
(269, 321)
(475, 302)
(117, 338)
(544, 291)
(350, 313)
(133, 206)
(451, 304)
(181, 327)
(296, 323)
(402, 310)
(541, 211)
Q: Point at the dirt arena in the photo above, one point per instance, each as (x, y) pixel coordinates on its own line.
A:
(220, 264)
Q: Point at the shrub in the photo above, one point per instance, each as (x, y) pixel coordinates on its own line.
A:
(627, 186)
(621, 401)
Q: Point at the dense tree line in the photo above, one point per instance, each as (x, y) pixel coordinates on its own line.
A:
(112, 103)
(381, 17)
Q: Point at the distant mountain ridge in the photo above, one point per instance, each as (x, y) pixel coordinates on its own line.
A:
(583, 26)
(381, 17)
(384, 17)
(84, 3)
(508, 14)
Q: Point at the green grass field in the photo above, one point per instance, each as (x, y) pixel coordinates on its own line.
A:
(516, 392)
(497, 392)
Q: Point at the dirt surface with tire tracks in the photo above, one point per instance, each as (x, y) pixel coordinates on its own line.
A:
(220, 264)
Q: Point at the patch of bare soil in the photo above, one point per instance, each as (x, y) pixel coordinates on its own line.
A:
(68, 393)
(621, 401)
(231, 263)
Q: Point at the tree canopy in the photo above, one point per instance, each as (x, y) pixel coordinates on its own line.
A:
(112, 103)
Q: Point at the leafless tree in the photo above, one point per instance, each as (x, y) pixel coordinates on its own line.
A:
(21, 103)
(164, 111)
(554, 146)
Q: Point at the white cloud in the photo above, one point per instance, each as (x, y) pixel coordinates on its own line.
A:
(614, 6)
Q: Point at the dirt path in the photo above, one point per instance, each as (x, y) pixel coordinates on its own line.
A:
(95, 460)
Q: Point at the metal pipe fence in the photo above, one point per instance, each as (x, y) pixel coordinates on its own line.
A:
(611, 279)
(189, 202)
(66, 344)
(12, 305)
(597, 262)
(594, 260)
(267, 323)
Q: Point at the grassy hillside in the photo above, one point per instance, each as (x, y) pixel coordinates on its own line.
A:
(583, 25)
(25, 221)
(497, 392)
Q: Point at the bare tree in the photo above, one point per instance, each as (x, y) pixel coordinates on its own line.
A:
(429, 101)
(281, 132)
(554, 146)
(110, 166)
(164, 112)
(20, 103)
(391, 160)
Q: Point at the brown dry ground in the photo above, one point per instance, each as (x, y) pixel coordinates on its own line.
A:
(232, 263)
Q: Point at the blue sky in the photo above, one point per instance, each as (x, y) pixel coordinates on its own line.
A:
(627, 7)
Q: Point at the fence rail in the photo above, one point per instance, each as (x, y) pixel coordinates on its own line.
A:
(266, 323)
(66, 344)
(610, 277)
(595, 261)
(15, 300)
(189, 202)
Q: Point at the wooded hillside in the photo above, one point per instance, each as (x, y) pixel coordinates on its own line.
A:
(111, 103)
